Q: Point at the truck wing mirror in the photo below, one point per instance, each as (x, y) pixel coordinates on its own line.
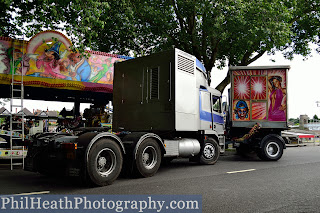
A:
(224, 107)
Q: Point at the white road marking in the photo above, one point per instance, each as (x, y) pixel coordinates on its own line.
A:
(248, 170)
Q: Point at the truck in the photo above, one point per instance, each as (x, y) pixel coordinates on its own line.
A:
(163, 108)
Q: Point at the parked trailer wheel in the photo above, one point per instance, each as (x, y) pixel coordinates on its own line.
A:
(104, 162)
(271, 149)
(210, 152)
(148, 158)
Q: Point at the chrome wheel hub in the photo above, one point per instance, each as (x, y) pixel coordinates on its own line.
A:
(106, 162)
(209, 151)
(149, 157)
(273, 149)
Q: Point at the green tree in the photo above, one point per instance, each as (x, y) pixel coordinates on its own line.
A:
(7, 26)
(296, 121)
(219, 33)
(75, 18)
(229, 32)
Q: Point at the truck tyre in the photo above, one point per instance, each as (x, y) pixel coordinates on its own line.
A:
(271, 149)
(104, 162)
(148, 158)
(210, 152)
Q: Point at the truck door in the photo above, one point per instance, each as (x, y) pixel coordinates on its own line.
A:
(217, 116)
(205, 110)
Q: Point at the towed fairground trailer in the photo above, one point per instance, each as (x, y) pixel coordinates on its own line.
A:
(257, 110)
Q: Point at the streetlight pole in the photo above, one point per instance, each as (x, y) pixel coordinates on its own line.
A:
(318, 105)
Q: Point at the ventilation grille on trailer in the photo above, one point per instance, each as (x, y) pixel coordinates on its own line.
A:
(154, 83)
(185, 64)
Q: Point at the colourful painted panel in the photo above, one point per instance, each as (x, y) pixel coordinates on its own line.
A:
(258, 88)
(14, 134)
(250, 72)
(241, 110)
(259, 111)
(7, 153)
(241, 87)
(50, 61)
(277, 95)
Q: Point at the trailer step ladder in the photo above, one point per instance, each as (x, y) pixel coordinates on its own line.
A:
(16, 102)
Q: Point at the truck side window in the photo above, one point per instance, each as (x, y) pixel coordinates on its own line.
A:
(205, 101)
(216, 103)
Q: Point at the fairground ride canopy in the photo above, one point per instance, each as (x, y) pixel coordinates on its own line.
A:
(52, 72)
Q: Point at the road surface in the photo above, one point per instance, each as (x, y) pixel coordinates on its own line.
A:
(233, 184)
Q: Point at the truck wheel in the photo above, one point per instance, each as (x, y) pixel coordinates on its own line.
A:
(148, 158)
(271, 149)
(210, 152)
(104, 162)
